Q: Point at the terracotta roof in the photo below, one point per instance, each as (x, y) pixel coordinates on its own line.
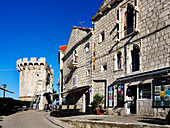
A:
(81, 28)
(62, 48)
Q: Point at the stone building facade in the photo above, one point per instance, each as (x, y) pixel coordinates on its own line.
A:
(61, 54)
(128, 61)
(35, 81)
(132, 50)
(77, 67)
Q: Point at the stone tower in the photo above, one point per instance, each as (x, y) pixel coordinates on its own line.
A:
(36, 80)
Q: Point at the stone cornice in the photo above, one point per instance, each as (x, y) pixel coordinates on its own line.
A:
(105, 8)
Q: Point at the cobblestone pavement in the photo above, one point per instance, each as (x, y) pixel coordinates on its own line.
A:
(26, 119)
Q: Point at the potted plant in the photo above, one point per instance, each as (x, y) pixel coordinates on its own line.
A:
(97, 102)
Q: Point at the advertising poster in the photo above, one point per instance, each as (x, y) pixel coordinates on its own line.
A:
(157, 98)
(161, 93)
(110, 96)
(157, 88)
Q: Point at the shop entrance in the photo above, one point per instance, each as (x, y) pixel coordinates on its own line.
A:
(87, 101)
(132, 93)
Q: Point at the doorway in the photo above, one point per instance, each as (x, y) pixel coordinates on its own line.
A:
(132, 90)
(87, 101)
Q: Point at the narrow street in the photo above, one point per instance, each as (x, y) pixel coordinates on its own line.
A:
(26, 119)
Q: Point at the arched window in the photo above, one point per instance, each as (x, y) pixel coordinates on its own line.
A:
(129, 19)
(135, 58)
(119, 55)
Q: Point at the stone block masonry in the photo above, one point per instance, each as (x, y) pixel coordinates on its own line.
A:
(35, 78)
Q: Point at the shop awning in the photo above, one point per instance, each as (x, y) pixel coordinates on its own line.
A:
(135, 83)
(140, 82)
(147, 81)
(74, 89)
(79, 89)
(6, 90)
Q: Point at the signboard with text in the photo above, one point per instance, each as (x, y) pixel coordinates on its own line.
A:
(161, 93)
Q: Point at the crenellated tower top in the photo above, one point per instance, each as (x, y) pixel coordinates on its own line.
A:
(32, 64)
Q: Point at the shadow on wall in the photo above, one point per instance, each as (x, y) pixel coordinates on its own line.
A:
(69, 76)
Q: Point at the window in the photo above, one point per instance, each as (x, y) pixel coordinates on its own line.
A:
(74, 80)
(135, 58)
(127, 17)
(119, 54)
(75, 56)
(145, 91)
(117, 60)
(103, 67)
(129, 21)
(87, 47)
(120, 96)
(117, 25)
(110, 95)
(101, 37)
(88, 72)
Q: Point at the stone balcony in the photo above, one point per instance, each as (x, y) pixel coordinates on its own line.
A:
(72, 63)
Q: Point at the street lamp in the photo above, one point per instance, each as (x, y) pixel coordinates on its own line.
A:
(4, 86)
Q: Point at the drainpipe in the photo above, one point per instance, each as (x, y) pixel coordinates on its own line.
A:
(106, 90)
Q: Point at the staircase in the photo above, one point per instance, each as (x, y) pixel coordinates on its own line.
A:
(35, 100)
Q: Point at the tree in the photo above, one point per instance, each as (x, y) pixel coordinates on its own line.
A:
(98, 100)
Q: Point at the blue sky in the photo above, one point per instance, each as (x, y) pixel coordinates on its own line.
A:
(36, 28)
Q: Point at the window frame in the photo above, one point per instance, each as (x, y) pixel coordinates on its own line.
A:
(121, 19)
(119, 61)
(75, 80)
(139, 93)
(103, 67)
(88, 72)
(87, 47)
(101, 37)
(120, 104)
(135, 55)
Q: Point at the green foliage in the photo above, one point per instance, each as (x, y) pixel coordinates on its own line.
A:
(98, 99)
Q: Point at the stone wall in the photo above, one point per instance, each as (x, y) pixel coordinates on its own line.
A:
(33, 78)
(84, 60)
(145, 107)
(152, 38)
